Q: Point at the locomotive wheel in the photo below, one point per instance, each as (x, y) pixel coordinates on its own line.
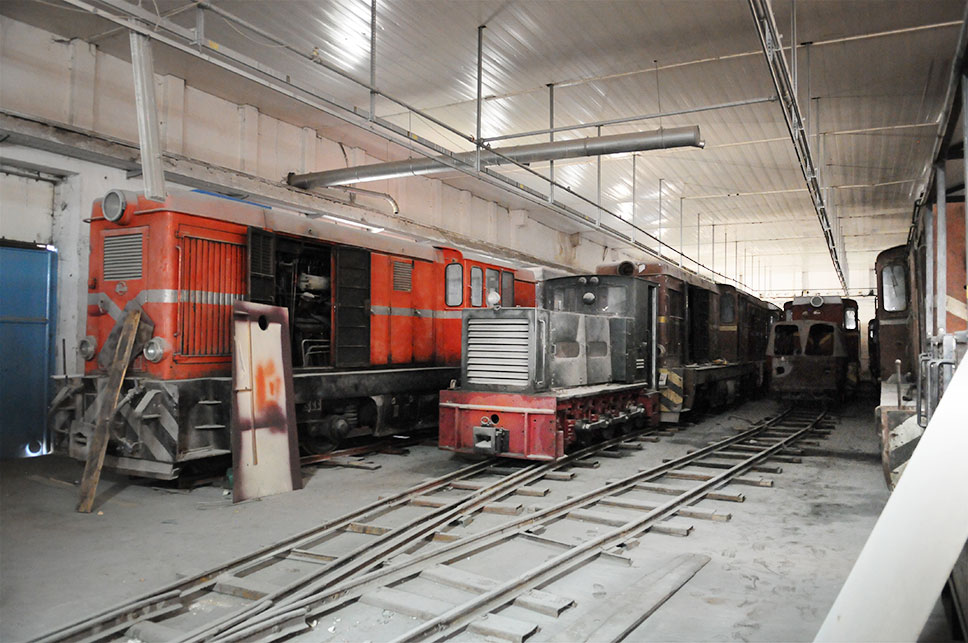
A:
(326, 435)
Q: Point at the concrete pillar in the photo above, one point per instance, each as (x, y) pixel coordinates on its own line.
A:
(172, 92)
(307, 157)
(83, 67)
(248, 139)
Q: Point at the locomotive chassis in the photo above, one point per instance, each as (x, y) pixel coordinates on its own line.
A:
(162, 425)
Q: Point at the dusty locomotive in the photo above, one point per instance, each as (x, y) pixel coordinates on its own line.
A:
(917, 341)
(814, 353)
(711, 340)
(375, 324)
(630, 345)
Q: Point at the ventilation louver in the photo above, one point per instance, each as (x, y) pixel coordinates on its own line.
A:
(497, 351)
(123, 257)
(402, 276)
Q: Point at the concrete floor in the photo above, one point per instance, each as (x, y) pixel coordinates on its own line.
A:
(775, 567)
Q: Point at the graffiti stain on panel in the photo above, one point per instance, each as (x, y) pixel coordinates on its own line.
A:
(264, 441)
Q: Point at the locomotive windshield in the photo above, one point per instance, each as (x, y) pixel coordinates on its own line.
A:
(786, 339)
(454, 277)
(850, 319)
(589, 298)
(820, 340)
(894, 288)
(727, 309)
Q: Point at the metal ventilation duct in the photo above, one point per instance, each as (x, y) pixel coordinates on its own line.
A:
(594, 146)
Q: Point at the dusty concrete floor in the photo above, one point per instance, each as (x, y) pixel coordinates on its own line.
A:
(775, 567)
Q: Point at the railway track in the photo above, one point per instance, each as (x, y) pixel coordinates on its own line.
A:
(356, 546)
(381, 559)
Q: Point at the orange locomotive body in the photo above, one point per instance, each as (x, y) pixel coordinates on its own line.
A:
(375, 324)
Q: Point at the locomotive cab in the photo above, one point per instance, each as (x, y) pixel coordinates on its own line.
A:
(808, 360)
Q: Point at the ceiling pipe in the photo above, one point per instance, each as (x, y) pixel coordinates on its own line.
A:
(523, 154)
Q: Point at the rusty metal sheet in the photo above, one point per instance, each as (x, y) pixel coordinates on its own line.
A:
(264, 440)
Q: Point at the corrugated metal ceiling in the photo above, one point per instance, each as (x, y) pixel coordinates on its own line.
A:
(876, 72)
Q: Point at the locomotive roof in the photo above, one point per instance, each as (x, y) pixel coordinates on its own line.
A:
(210, 206)
(663, 268)
(805, 300)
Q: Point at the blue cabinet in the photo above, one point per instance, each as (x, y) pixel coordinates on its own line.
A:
(27, 289)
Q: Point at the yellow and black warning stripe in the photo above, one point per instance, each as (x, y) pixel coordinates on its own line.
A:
(670, 391)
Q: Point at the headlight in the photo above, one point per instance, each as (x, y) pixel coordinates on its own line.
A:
(113, 205)
(155, 349)
(87, 348)
(816, 301)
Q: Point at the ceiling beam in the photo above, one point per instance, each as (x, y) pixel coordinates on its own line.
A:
(765, 23)
(945, 125)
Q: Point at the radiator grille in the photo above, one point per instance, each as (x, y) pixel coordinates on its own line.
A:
(497, 351)
(123, 257)
(402, 276)
(212, 279)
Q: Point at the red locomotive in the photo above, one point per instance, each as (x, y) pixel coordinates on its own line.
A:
(375, 324)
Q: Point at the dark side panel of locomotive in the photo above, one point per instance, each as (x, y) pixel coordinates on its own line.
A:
(893, 334)
(711, 341)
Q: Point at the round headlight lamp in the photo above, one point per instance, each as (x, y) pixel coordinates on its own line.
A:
(816, 301)
(87, 348)
(155, 349)
(113, 205)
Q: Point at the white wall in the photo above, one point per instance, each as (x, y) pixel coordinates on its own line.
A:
(68, 205)
(74, 84)
(26, 209)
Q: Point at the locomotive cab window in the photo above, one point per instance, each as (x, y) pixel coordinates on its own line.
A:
(507, 289)
(727, 309)
(850, 319)
(454, 284)
(493, 282)
(894, 287)
(820, 340)
(786, 340)
(477, 286)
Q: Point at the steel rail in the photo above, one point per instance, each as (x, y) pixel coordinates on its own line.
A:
(333, 596)
(369, 555)
(293, 542)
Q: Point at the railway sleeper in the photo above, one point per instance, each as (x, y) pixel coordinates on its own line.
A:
(752, 448)
(426, 608)
(706, 464)
(535, 600)
(669, 527)
(675, 491)
(735, 455)
(689, 475)
(521, 491)
(685, 512)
